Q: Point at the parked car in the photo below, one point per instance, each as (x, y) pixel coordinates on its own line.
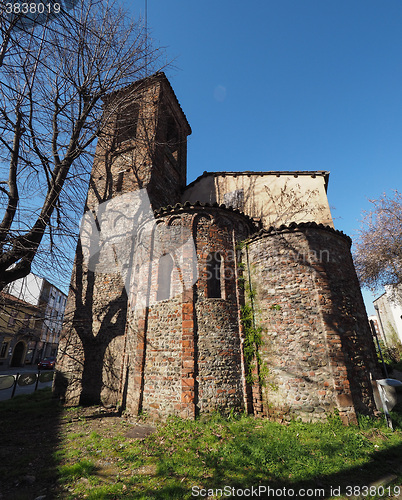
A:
(47, 363)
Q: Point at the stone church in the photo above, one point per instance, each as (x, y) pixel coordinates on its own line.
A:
(262, 312)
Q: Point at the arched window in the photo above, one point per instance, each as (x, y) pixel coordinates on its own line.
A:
(214, 264)
(171, 132)
(164, 277)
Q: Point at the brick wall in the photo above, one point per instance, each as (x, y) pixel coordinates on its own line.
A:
(153, 157)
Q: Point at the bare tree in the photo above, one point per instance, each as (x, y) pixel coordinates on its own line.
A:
(378, 250)
(53, 77)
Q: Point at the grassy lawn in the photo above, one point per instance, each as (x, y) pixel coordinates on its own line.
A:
(92, 453)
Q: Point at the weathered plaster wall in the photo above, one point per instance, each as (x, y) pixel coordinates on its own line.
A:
(274, 197)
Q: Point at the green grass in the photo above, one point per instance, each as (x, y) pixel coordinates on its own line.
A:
(240, 452)
(93, 458)
(83, 468)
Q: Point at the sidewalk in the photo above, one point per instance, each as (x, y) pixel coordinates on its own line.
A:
(24, 389)
(18, 369)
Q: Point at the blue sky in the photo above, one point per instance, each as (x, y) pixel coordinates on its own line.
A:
(290, 85)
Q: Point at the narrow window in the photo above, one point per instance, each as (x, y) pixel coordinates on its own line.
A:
(13, 318)
(126, 123)
(171, 133)
(172, 136)
(164, 277)
(4, 348)
(119, 183)
(214, 264)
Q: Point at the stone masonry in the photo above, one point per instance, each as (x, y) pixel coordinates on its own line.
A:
(315, 332)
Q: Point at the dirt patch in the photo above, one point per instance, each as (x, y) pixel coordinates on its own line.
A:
(140, 431)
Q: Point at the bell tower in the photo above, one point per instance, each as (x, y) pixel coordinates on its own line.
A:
(143, 144)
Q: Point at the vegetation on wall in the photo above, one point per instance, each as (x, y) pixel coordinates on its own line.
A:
(252, 343)
(252, 333)
(391, 355)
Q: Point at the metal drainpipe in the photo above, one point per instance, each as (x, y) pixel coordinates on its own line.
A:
(372, 327)
(380, 320)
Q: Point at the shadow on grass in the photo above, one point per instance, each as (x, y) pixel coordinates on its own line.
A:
(349, 483)
(29, 437)
(317, 470)
(190, 455)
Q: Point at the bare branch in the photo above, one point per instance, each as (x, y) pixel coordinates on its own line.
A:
(53, 79)
(13, 196)
(378, 250)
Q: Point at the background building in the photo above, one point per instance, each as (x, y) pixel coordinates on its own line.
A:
(20, 331)
(46, 304)
(388, 307)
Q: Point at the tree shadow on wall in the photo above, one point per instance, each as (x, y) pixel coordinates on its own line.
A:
(96, 324)
(29, 435)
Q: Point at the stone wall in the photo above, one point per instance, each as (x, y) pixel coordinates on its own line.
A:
(89, 356)
(317, 342)
(220, 377)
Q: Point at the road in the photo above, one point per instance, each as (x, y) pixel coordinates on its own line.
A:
(28, 389)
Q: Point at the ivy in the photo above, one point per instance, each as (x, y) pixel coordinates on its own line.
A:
(276, 307)
(252, 343)
(252, 333)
